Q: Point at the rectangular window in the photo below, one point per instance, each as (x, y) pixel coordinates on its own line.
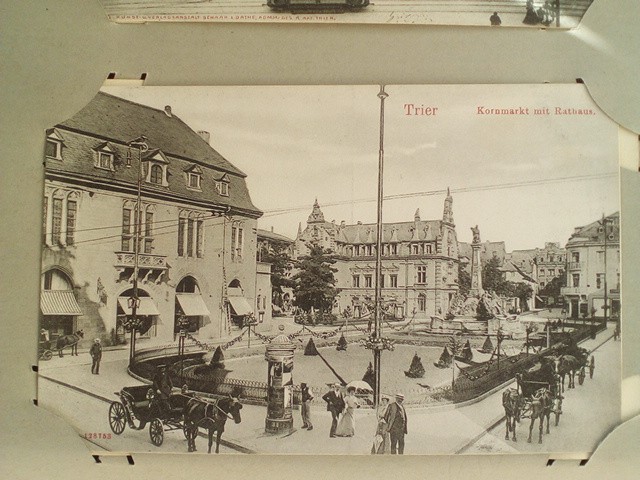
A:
(394, 249)
(601, 257)
(52, 149)
(56, 225)
(104, 160)
(234, 234)
(368, 279)
(575, 256)
(355, 281)
(240, 243)
(599, 280)
(126, 230)
(194, 180)
(222, 188)
(414, 249)
(148, 232)
(181, 222)
(381, 280)
(199, 235)
(190, 237)
(393, 281)
(72, 210)
(48, 279)
(576, 279)
(427, 248)
(422, 274)
(45, 207)
(542, 272)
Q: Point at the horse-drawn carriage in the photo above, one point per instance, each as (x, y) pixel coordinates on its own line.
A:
(141, 405)
(183, 410)
(537, 395)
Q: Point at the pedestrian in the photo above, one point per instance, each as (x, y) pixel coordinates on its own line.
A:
(307, 396)
(381, 440)
(347, 425)
(396, 418)
(96, 355)
(335, 405)
(495, 20)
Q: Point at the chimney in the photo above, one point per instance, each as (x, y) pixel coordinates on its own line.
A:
(167, 110)
(271, 225)
(206, 136)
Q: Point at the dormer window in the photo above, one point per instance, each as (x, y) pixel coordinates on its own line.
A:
(222, 185)
(194, 177)
(53, 146)
(156, 170)
(104, 157)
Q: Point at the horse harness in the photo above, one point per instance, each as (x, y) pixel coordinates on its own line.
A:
(209, 405)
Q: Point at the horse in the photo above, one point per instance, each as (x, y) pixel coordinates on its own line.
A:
(567, 365)
(511, 404)
(69, 341)
(541, 405)
(211, 415)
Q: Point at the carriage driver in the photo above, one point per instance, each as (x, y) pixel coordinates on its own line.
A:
(162, 387)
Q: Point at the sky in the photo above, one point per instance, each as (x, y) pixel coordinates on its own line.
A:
(524, 179)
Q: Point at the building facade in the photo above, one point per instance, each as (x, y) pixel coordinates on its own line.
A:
(593, 268)
(419, 263)
(196, 230)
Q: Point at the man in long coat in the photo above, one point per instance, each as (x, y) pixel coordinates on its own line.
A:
(335, 405)
(96, 355)
(396, 418)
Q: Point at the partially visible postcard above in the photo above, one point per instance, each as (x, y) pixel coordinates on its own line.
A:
(333, 270)
(511, 13)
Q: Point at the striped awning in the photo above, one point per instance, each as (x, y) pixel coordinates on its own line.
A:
(240, 305)
(147, 306)
(59, 302)
(192, 304)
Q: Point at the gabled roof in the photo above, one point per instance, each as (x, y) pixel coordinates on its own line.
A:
(272, 236)
(117, 121)
(595, 233)
(121, 120)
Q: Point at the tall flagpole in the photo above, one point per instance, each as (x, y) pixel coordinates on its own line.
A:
(377, 332)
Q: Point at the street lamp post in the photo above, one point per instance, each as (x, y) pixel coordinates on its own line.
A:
(377, 332)
(141, 145)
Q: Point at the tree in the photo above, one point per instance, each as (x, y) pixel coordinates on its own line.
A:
(492, 278)
(314, 282)
(553, 288)
(310, 349)
(370, 377)
(464, 280)
(281, 266)
(342, 343)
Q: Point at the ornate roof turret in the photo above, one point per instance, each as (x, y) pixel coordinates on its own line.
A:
(416, 216)
(447, 214)
(316, 214)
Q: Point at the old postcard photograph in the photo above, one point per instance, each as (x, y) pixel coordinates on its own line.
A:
(495, 13)
(334, 270)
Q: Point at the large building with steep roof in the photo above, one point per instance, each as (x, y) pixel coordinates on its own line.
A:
(419, 262)
(196, 236)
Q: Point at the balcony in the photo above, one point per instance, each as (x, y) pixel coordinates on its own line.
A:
(576, 265)
(145, 260)
(571, 291)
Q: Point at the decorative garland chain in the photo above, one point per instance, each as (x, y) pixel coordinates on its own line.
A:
(210, 348)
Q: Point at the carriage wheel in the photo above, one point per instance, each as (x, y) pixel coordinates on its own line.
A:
(156, 432)
(117, 417)
(47, 355)
(581, 376)
(591, 371)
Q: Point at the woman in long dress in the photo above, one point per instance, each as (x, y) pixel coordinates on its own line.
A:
(382, 439)
(347, 425)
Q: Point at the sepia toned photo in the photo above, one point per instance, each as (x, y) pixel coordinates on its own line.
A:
(333, 270)
(494, 13)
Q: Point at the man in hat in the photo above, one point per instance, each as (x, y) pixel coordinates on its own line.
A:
(396, 418)
(162, 386)
(335, 405)
(307, 396)
(96, 354)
